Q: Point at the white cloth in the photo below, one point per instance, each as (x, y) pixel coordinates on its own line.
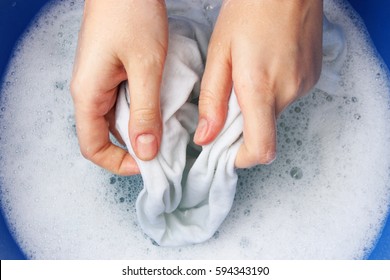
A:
(185, 199)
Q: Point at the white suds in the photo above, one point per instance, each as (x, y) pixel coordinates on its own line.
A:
(325, 197)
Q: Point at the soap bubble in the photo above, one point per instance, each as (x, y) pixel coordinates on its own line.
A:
(296, 173)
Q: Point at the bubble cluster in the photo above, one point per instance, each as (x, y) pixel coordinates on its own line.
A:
(325, 196)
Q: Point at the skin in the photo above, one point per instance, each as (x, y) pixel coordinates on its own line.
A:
(269, 51)
(119, 40)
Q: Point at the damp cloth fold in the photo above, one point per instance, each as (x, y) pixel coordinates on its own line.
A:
(188, 190)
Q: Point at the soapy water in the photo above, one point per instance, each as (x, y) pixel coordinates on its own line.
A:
(325, 197)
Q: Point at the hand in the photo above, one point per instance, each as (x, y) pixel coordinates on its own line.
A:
(271, 53)
(119, 40)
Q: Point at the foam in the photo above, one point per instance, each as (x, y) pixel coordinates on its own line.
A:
(325, 197)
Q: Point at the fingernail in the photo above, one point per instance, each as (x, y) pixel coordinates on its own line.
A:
(201, 131)
(146, 146)
(271, 156)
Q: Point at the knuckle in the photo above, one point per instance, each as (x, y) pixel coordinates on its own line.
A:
(146, 117)
(263, 154)
(256, 83)
(207, 98)
(265, 88)
(154, 59)
(147, 60)
(261, 157)
(94, 153)
(80, 90)
(301, 81)
(87, 153)
(295, 86)
(311, 80)
(213, 106)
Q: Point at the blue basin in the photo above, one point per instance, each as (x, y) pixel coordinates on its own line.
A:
(16, 15)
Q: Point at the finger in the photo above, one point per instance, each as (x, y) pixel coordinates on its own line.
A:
(145, 127)
(215, 92)
(257, 102)
(95, 144)
(143, 58)
(259, 146)
(110, 118)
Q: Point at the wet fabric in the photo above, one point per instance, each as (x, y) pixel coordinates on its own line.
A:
(189, 190)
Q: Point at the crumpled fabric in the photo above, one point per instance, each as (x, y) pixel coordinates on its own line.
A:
(189, 190)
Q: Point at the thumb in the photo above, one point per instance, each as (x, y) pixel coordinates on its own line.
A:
(214, 95)
(145, 127)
